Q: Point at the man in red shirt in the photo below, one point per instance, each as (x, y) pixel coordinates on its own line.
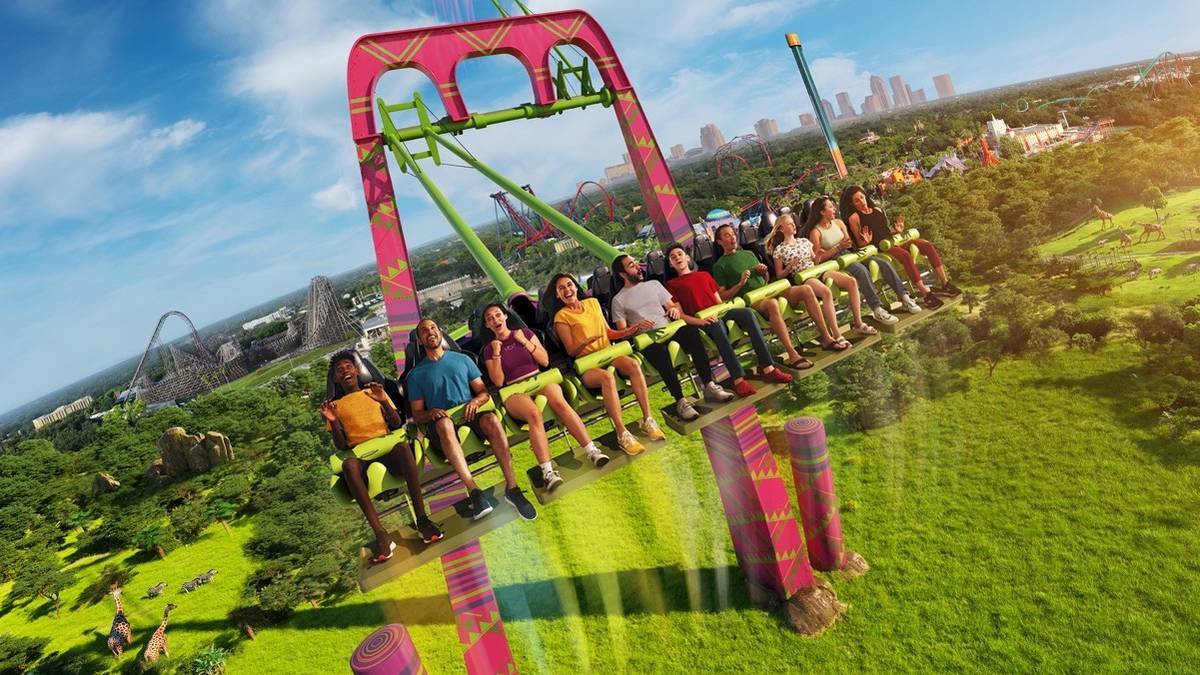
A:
(697, 290)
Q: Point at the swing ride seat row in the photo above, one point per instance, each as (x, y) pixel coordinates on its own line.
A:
(380, 481)
(577, 472)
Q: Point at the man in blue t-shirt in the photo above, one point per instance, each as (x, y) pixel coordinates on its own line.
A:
(445, 379)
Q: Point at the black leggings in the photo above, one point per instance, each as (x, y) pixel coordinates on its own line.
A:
(659, 356)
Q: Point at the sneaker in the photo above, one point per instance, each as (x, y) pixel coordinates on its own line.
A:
(383, 549)
(479, 504)
(685, 410)
(932, 301)
(744, 388)
(910, 305)
(883, 316)
(629, 445)
(651, 430)
(950, 289)
(517, 500)
(778, 377)
(715, 393)
(598, 458)
(429, 530)
(551, 478)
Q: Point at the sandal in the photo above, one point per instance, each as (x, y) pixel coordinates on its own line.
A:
(839, 345)
(799, 364)
(865, 329)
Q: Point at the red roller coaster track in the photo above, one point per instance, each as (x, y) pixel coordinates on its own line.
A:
(533, 234)
(582, 209)
(729, 152)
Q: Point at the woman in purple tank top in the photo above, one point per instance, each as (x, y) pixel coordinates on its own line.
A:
(514, 355)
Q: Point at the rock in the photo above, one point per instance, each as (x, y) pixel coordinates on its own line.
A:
(173, 447)
(197, 459)
(218, 447)
(103, 483)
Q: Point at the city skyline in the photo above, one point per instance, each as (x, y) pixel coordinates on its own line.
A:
(202, 160)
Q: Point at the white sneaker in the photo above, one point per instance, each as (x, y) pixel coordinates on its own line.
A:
(596, 457)
(715, 393)
(630, 445)
(686, 411)
(883, 316)
(650, 428)
(910, 305)
(551, 478)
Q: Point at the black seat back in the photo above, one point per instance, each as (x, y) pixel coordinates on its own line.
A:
(656, 266)
(704, 255)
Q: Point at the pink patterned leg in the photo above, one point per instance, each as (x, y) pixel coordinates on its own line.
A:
(765, 535)
(817, 497)
(476, 612)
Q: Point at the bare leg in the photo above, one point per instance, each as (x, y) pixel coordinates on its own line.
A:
(353, 469)
(847, 283)
(828, 307)
(566, 414)
(499, 442)
(940, 272)
(600, 377)
(806, 295)
(633, 372)
(444, 428)
(770, 309)
(400, 461)
(523, 408)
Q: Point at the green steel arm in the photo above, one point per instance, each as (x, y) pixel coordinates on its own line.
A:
(604, 97)
(487, 262)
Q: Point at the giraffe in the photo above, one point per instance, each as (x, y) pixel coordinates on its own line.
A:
(118, 635)
(1105, 217)
(158, 641)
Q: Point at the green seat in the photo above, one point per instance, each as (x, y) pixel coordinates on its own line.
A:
(530, 386)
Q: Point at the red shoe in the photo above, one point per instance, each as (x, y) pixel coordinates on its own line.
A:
(778, 377)
(744, 389)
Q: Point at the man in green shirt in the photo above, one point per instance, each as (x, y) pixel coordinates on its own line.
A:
(739, 271)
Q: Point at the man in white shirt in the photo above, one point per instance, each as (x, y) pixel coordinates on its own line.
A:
(648, 301)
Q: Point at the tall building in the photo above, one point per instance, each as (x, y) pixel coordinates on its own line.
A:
(711, 137)
(918, 96)
(677, 151)
(945, 88)
(899, 91)
(807, 120)
(869, 106)
(766, 128)
(844, 106)
(909, 92)
(828, 108)
(882, 101)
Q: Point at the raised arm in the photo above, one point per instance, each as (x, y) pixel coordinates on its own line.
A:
(534, 345)
(861, 232)
(495, 368)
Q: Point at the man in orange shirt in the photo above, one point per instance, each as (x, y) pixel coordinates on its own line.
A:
(367, 427)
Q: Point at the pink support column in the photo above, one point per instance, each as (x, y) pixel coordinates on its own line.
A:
(765, 536)
(396, 279)
(658, 187)
(817, 498)
(476, 612)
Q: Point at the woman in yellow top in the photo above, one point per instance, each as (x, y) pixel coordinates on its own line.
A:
(581, 328)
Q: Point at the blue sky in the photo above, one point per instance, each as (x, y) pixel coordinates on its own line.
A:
(197, 156)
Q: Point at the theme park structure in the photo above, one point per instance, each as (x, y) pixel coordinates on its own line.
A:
(734, 153)
(522, 220)
(767, 536)
(583, 208)
(193, 370)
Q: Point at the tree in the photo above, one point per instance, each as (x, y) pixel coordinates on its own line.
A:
(384, 358)
(1152, 198)
(18, 654)
(188, 521)
(223, 511)
(152, 538)
(40, 574)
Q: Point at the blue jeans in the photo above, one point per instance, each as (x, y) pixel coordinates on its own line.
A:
(860, 274)
(747, 320)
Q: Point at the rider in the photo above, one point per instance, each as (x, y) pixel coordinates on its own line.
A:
(445, 379)
(364, 421)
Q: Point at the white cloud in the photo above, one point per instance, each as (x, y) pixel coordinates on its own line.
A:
(337, 197)
(72, 164)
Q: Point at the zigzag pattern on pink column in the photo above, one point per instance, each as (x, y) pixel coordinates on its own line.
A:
(815, 493)
(766, 538)
(476, 612)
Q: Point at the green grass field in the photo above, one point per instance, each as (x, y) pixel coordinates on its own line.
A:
(1035, 520)
(264, 375)
(1172, 255)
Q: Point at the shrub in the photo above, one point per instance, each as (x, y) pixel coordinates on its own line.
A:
(188, 521)
(18, 654)
(1160, 326)
(209, 661)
